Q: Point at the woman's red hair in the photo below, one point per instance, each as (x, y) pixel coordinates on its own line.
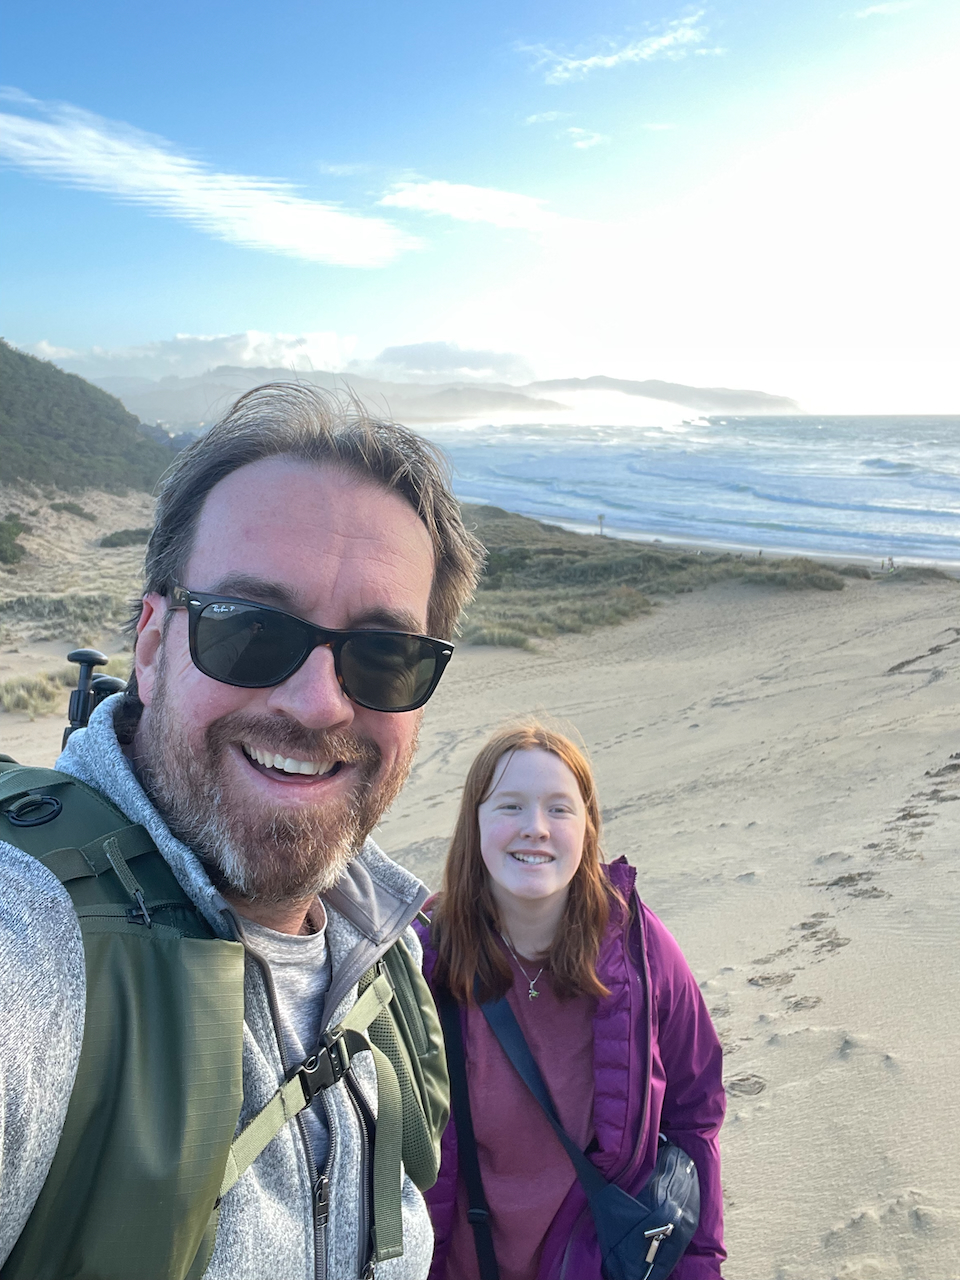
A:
(465, 922)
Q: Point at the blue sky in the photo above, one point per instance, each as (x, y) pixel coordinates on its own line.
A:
(754, 194)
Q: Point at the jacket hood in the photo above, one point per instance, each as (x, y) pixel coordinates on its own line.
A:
(377, 896)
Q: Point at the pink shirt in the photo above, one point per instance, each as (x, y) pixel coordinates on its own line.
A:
(526, 1172)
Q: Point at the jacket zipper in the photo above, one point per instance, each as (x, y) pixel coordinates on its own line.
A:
(366, 1125)
(319, 1182)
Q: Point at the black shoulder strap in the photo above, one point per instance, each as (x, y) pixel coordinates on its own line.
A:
(503, 1023)
(478, 1212)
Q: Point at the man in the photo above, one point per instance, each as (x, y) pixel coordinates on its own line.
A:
(302, 565)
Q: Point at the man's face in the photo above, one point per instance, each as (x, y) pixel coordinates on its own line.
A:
(342, 553)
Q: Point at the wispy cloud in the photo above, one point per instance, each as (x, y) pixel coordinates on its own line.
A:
(878, 10)
(472, 204)
(445, 358)
(676, 40)
(76, 147)
(188, 355)
(582, 139)
(343, 170)
(546, 117)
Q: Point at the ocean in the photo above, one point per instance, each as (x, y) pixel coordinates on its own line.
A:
(870, 487)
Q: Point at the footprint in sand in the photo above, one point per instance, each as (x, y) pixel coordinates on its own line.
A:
(745, 1086)
(800, 1004)
(771, 979)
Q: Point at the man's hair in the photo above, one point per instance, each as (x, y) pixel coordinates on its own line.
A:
(293, 420)
(301, 422)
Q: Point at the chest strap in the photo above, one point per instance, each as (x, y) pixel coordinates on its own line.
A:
(322, 1071)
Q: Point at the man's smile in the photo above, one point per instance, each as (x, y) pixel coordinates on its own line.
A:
(271, 763)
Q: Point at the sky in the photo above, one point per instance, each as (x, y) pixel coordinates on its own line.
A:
(746, 194)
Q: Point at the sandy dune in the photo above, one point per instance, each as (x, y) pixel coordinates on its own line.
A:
(780, 768)
(785, 787)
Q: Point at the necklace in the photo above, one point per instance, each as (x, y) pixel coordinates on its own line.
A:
(532, 991)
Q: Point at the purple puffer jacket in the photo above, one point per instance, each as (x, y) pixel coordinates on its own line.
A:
(686, 1098)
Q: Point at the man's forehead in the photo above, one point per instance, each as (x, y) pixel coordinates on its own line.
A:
(309, 531)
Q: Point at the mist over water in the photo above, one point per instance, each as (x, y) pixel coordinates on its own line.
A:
(864, 486)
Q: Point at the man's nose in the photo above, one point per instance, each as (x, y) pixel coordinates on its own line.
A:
(312, 695)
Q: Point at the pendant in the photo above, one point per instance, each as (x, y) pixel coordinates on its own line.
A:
(532, 995)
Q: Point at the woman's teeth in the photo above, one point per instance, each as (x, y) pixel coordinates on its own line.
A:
(286, 763)
(532, 859)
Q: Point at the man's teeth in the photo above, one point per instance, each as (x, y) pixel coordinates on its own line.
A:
(286, 763)
(533, 858)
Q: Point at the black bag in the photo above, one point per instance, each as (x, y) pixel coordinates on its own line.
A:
(640, 1237)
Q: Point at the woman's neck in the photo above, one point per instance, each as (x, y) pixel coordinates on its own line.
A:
(531, 924)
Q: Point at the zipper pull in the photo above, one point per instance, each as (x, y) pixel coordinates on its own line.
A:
(656, 1238)
(321, 1201)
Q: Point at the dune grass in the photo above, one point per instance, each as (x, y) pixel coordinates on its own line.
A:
(47, 691)
(126, 538)
(74, 509)
(541, 580)
(75, 617)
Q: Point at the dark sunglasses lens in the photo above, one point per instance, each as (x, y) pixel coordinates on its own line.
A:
(387, 672)
(246, 645)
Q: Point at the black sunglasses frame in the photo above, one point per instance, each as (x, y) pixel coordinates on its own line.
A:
(195, 602)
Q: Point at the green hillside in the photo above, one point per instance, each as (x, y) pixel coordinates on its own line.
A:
(57, 429)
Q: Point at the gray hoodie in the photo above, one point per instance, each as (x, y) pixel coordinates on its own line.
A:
(266, 1229)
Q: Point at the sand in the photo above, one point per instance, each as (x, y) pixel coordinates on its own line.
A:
(780, 769)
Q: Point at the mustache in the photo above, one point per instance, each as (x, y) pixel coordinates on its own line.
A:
(289, 738)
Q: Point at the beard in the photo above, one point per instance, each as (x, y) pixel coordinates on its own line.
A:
(253, 851)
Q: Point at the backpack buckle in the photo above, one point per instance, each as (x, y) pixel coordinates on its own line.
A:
(326, 1067)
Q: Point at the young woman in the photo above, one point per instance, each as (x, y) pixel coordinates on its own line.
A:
(529, 910)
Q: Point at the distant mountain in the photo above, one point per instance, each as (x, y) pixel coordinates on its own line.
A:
(191, 403)
(704, 399)
(56, 429)
(194, 402)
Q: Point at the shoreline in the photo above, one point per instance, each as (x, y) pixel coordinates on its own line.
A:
(676, 542)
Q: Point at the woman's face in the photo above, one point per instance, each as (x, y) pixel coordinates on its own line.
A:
(532, 826)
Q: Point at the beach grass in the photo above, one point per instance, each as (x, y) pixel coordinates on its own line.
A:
(40, 694)
(541, 580)
(78, 617)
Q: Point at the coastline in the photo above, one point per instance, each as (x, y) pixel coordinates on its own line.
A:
(677, 542)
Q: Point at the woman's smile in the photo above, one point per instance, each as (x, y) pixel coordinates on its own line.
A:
(532, 825)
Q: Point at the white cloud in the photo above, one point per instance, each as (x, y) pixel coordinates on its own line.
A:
(188, 355)
(343, 170)
(85, 150)
(892, 6)
(546, 117)
(675, 41)
(584, 138)
(472, 204)
(449, 359)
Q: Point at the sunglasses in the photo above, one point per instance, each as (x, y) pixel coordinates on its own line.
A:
(255, 646)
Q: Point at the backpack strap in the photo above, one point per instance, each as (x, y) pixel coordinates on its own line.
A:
(478, 1211)
(320, 1071)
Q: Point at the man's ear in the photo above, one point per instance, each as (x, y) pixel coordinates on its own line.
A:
(146, 658)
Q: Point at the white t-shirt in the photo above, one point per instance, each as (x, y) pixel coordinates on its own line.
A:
(300, 965)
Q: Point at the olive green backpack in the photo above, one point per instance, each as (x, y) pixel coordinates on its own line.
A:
(149, 1146)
